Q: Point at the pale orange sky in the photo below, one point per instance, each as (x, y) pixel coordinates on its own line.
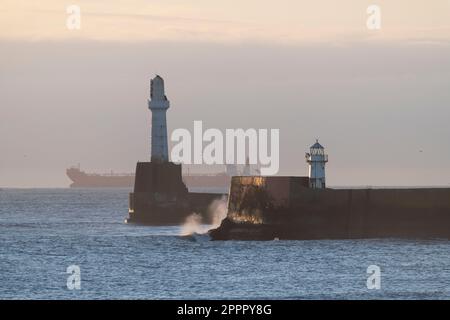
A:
(287, 21)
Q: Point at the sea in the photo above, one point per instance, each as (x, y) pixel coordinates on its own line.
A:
(74, 244)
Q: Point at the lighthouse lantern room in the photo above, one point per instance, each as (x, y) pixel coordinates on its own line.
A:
(316, 158)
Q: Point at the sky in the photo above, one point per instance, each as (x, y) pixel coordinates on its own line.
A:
(378, 100)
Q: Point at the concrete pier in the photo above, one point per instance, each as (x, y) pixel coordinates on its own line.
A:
(265, 208)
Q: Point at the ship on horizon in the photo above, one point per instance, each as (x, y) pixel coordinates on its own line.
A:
(219, 182)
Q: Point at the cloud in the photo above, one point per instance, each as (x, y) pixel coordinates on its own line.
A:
(283, 22)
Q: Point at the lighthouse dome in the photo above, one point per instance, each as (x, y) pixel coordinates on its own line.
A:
(317, 145)
(158, 78)
(157, 88)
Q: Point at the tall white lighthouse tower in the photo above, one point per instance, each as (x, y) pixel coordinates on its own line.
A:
(158, 104)
(316, 159)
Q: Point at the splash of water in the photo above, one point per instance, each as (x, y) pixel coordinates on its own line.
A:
(217, 211)
(193, 224)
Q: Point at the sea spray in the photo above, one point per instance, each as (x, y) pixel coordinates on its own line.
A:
(193, 224)
(217, 210)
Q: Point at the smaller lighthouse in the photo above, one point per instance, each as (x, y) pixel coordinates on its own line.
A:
(316, 158)
(158, 104)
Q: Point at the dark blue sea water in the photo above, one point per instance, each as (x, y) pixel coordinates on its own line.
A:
(43, 231)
